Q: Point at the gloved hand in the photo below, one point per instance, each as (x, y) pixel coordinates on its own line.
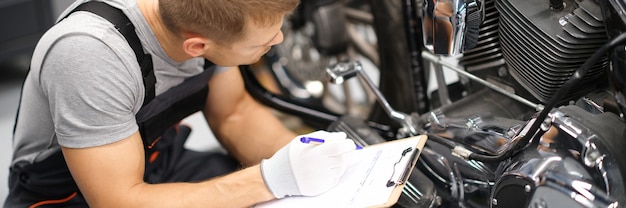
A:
(307, 169)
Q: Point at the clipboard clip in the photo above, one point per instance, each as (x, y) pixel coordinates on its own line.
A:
(404, 177)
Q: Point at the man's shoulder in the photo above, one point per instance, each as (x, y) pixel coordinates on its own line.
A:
(86, 23)
(84, 29)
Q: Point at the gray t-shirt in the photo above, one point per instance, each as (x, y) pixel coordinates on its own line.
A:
(85, 85)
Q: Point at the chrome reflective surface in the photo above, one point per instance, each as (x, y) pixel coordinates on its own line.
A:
(444, 24)
(572, 165)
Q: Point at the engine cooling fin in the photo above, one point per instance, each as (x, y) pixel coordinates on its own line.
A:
(487, 52)
(543, 48)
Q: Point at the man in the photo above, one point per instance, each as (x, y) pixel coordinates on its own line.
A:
(85, 89)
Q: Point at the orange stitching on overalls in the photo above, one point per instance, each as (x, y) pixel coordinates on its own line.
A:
(153, 156)
(154, 142)
(56, 201)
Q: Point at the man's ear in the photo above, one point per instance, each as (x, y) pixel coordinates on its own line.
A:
(195, 46)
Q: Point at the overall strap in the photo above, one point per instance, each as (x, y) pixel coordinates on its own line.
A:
(158, 113)
(170, 107)
(127, 29)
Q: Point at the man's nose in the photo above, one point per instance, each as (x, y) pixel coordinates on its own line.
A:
(278, 39)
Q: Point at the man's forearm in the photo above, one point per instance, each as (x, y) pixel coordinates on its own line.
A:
(243, 188)
(253, 134)
(248, 130)
(112, 176)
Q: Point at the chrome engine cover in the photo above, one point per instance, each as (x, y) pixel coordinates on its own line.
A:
(575, 163)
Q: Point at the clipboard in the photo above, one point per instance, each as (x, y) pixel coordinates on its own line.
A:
(376, 179)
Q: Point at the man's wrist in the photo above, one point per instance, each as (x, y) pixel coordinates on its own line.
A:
(278, 176)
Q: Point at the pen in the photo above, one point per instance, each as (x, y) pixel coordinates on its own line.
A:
(313, 140)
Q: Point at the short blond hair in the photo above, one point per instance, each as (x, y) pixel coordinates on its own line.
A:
(221, 20)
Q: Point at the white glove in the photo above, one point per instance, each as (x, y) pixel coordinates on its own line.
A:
(307, 169)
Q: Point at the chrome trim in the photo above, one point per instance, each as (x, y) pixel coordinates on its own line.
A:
(443, 24)
(339, 72)
(458, 69)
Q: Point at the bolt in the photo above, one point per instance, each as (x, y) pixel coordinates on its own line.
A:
(502, 72)
(545, 125)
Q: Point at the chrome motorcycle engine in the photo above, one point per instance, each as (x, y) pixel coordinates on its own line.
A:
(532, 47)
(538, 46)
(541, 45)
(576, 163)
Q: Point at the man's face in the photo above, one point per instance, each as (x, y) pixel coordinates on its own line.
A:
(256, 42)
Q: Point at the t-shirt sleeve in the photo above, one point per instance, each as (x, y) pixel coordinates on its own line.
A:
(92, 93)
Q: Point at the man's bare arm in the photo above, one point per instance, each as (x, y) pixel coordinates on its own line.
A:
(247, 129)
(112, 176)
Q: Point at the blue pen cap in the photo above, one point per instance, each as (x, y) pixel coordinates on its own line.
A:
(311, 139)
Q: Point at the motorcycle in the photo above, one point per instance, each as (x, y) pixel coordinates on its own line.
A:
(533, 118)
